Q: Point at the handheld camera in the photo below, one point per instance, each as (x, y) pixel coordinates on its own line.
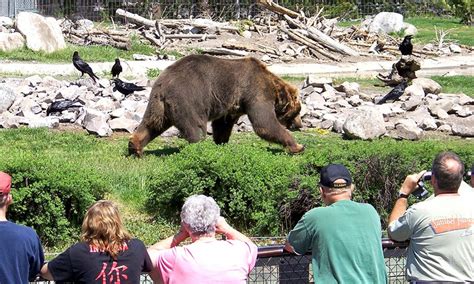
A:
(421, 192)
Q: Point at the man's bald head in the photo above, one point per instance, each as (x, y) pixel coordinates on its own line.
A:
(448, 170)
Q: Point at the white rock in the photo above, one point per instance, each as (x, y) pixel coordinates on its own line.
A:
(42, 34)
(386, 22)
(96, 122)
(429, 86)
(123, 123)
(455, 48)
(11, 41)
(366, 123)
(7, 97)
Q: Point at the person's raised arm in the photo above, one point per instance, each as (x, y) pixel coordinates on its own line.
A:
(222, 227)
(401, 205)
(171, 241)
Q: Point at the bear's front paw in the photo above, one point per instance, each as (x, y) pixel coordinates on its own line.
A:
(298, 148)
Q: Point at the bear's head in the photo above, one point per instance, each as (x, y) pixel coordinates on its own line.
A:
(134, 148)
(288, 106)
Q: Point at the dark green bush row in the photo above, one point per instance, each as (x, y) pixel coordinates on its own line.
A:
(261, 189)
(266, 191)
(50, 192)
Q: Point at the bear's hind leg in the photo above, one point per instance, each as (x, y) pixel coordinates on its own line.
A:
(142, 136)
(222, 128)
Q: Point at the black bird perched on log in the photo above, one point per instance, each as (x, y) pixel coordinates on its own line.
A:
(395, 93)
(117, 68)
(126, 88)
(406, 47)
(59, 106)
(82, 66)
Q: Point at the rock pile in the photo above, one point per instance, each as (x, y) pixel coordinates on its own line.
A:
(343, 108)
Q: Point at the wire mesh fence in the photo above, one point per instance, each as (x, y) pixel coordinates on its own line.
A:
(99, 10)
(274, 265)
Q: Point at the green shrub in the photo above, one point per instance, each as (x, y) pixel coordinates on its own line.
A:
(51, 194)
(247, 182)
(265, 192)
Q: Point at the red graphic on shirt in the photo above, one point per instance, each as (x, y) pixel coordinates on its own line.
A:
(114, 275)
(93, 248)
(447, 224)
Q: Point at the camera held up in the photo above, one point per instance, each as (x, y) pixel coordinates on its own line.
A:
(421, 192)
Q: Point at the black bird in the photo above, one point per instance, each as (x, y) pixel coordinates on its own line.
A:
(82, 66)
(126, 88)
(59, 106)
(395, 93)
(406, 47)
(117, 68)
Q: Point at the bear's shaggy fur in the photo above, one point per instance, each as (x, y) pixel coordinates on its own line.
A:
(200, 88)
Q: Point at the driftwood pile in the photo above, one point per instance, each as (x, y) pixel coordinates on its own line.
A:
(79, 34)
(314, 37)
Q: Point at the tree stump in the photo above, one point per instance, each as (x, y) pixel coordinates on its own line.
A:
(403, 70)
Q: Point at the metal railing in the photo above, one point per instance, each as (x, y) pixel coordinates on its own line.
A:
(275, 265)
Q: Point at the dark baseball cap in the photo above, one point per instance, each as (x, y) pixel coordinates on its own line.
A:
(330, 173)
(5, 183)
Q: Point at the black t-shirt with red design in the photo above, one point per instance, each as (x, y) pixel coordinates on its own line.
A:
(82, 263)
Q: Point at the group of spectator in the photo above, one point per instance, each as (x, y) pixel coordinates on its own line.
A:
(344, 238)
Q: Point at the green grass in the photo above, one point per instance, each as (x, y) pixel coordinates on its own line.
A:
(91, 53)
(456, 84)
(462, 34)
(459, 33)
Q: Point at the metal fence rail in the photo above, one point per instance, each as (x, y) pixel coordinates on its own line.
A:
(275, 265)
(98, 10)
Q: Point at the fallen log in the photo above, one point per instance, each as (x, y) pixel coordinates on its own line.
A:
(152, 39)
(314, 46)
(225, 51)
(272, 6)
(392, 48)
(324, 39)
(114, 41)
(134, 18)
(246, 47)
(190, 36)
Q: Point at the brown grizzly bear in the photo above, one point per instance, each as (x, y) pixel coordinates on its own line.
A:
(201, 88)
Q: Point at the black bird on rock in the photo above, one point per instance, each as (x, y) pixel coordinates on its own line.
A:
(395, 93)
(82, 66)
(126, 88)
(406, 47)
(117, 68)
(59, 106)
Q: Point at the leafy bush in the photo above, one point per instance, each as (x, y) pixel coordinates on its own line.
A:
(266, 192)
(247, 182)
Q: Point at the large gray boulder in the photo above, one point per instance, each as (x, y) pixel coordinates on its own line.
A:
(42, 34)
(10, 41)
(386, 22)
(7, 97)
(366, 123)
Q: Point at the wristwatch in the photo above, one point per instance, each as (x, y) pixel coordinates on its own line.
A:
(403, 195)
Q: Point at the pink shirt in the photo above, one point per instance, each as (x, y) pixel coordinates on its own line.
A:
(207, 261)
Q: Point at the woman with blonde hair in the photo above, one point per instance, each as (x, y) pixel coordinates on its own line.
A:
(106, 254)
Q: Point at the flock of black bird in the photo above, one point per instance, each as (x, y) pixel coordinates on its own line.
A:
(123, 87)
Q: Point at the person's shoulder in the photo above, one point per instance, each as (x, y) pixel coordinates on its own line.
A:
(23, 229)
(135, 243)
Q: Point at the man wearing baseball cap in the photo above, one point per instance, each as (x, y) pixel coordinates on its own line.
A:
(21, 254)
(344, 237)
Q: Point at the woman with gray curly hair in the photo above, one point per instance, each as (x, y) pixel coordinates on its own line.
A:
(205, 259)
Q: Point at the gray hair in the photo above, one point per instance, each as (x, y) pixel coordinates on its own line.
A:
(201, 214)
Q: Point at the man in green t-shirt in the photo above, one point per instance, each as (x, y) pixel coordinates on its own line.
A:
(344, 236)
